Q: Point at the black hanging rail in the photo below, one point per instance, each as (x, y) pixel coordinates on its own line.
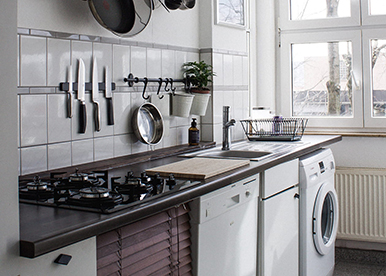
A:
(168, 84)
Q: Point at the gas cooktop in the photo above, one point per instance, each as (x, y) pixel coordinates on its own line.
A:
(105, 191)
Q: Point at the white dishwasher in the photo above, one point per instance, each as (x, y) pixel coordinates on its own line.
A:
(224, 230)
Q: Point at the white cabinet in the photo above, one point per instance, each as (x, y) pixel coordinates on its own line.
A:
(278, 221)
(224, 230)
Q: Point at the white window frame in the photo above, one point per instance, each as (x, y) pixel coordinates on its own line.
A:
(368, 19)
(286, 24)
(370, 121)
(286, 93)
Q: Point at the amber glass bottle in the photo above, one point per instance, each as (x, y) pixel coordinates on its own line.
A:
(194, 134)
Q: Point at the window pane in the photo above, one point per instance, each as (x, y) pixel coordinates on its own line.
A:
(321, 79)
(318, 9)
(377, 7)
(378, 53)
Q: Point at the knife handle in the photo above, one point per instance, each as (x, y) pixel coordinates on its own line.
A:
(97, 116)
(110, 112)
(82, 117)
(69, 105)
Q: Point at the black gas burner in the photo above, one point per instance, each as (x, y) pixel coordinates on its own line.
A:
(96, 192)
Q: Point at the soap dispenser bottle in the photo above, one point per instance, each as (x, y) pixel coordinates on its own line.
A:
(194, 134)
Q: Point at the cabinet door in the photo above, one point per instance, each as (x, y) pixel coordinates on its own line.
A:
(278, 235)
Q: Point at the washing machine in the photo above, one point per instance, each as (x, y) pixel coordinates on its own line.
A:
(318, 214)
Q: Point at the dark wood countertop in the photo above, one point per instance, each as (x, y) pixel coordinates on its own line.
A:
(45, 229)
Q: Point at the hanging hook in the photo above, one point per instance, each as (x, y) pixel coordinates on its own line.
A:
(145, 81)
(171, 86)
(159, 88)
(166, 85)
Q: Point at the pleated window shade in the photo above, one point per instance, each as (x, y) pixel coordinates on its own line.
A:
(158, 245)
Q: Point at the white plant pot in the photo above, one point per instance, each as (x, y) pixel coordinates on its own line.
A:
(200, 103)
(181, 104)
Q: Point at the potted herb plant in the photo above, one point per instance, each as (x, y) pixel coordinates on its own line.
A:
(199, 74)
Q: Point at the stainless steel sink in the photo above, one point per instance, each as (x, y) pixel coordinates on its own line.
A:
(238, 154)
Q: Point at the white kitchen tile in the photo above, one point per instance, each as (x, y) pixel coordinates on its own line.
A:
(136, 145)
(105, 128)
(193, 56)
(122, 145)
(33, 61)
(168, 64)
(229, 101)
(170, 135)
(82, 151)
(83, 50)
(162, 104)
(90, 119)
(122, 109)
(237, 70)
(59, 155)
(228, 69)
(181, 58)
(206, 133)
(208, 118)
(245, 71)
(138, 61)
(217, 130)
(182, 135)
(59, 126)
(104, 54)
(33, 120)
(18, 60)
(218, 103)
(153, 63)
(103, 148)
(58, 60)
(218, 68)
(33, 159)
(121, 64)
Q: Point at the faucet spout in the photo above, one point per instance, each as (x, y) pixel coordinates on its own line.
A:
(225, 128)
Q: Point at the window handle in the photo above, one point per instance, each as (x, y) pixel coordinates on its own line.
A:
(355, 81)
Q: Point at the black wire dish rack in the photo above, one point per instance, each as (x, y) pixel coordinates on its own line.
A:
(275, 129)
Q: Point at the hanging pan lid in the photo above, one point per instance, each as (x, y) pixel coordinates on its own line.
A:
(148, 124)
(124, 18)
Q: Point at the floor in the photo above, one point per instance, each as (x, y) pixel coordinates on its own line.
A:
(351, 262)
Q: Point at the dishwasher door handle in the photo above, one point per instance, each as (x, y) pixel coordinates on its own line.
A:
(232, 201)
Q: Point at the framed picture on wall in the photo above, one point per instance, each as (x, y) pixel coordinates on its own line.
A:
(231, 13)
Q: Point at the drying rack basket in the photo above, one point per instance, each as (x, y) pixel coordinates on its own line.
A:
(274, 129)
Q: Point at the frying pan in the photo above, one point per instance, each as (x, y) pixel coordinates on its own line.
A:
(148, 124)
(122, 17)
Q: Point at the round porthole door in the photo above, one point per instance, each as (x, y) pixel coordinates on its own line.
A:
(325, 218)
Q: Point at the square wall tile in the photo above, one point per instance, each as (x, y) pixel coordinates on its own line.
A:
(59, 126)
(206, 133)
(181, 58)
(238, 70)
(153, 63)
(121, 63)
(59, 155)
(182, 135)
(245, 71)
(104, 54)
(103, 148)
(136, 145)
(58, 60)
(138, 61)
(122, 109)
(162, 104)
(218, 68)
(168, 64)
(83, 50)
(33, 119)
(122, 145)
(170, 136)
(33, 159)
(33, 61)
(218, 103)
(228, 69)
(82, 151)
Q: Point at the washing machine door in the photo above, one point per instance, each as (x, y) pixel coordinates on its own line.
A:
(325, 218)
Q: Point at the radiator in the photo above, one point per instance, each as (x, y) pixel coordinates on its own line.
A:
(362, 209)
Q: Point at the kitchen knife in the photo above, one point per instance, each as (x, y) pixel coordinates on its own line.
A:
(81, 97)
(109, 98)
(95, 95)
(70, 89)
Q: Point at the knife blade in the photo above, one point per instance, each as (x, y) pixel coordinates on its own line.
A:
(95, 95)
(70, 89)
(109, 98)
(81, 97)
